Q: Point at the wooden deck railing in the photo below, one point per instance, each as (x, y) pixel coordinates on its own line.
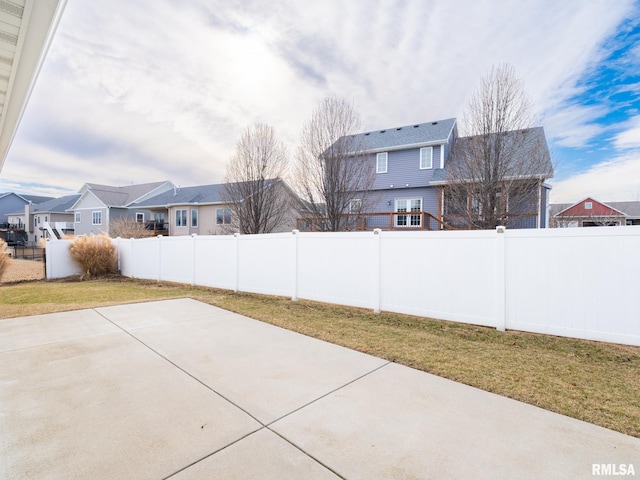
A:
(372, 220)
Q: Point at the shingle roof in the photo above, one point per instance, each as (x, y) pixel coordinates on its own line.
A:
(36, 198)
(632, 209)
(400, 137)
(532, 144)
(555, 208)
(57, 205)
(29, 198)
(201, 194)
(121, 196)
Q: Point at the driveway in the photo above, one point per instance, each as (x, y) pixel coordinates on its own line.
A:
(183, 390)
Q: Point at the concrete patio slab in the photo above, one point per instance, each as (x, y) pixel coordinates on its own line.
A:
(158, 313)
(54, 327)
(399, 422)
(262, 455)
(266, 370)
(106, 407)
(179, 389)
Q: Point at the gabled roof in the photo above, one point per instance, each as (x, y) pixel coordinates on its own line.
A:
(200, 194)
(397, 138)
(36, 199)
(601, 209)
(27, 198)
(57, 205)
(531, 143)
(112, 196)
(631, 209)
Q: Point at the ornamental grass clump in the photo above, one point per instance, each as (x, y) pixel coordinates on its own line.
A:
(96, 254)
(5, 259)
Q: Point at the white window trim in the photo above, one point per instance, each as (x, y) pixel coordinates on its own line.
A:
(588, 205)
(408, 213)
(355, 210)
(140, 213)
(223, 216)
(194, 210)
(379, 156)
(77, 217)
(182, 214)
(430, 164)
(93, 217)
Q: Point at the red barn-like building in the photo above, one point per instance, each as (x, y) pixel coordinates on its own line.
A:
(592, 213)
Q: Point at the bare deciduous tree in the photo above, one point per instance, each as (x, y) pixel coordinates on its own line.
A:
(496, 169)
(126, 227)
(258, 201)
(332, 172)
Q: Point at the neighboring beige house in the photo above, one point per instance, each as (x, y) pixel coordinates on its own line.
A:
(203, 210)
(99, 205)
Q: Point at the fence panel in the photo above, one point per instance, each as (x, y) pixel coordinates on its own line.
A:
(575, 282)
(446, 275)
(177, 259)
(59, 263)
(337, 268)
(265, 263)
(571, 282)
(140, 258)
(215, 261)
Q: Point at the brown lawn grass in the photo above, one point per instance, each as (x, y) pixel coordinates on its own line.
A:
(592, 381)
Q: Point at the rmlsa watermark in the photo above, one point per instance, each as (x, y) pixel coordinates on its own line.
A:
(613, 469)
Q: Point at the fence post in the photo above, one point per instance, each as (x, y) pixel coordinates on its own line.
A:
(500, 280)
(193, 262)
(117, 242)
(159, 258)
(237, 242)
(132, 257)
(48, 264)
(376, 270)
(294, 293)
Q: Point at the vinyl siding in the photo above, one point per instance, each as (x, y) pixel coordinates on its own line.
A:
(544, 203)
(384, 201)
(10, 204)
(86, 227)
(403, 168)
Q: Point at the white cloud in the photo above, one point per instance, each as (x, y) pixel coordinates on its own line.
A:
(630, 136)
(164, 89)
(614, 180)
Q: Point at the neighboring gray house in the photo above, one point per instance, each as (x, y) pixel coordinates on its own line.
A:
(11, 202)
(12, 230)
(33, 217)
(202, 209)
(409, 190)
(99, 205)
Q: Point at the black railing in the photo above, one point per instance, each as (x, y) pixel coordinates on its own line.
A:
(157, 227)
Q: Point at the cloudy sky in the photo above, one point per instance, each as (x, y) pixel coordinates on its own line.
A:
(134, 92)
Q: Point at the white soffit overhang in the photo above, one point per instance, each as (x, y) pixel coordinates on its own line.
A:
(26, 30)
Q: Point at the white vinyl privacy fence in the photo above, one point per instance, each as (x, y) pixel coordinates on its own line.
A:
(578, 282)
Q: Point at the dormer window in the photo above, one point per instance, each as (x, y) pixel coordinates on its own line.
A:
(426, 158)
(381, 162)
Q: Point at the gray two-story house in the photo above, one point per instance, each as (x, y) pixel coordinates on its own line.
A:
(406, 161)
(411, 178)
